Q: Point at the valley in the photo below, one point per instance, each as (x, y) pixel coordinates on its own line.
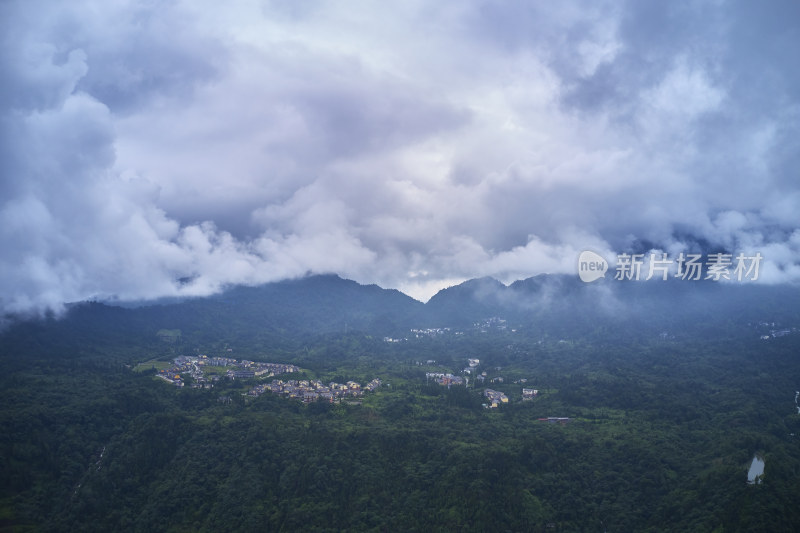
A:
(627, 429)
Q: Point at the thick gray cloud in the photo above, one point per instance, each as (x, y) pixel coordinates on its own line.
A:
(165, 148)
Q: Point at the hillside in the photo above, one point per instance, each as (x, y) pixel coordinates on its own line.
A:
(663, 394)
(273, 316)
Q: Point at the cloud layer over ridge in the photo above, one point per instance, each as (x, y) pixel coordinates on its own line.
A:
(164, 148)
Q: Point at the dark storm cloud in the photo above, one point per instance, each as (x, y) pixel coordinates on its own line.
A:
(413, 145)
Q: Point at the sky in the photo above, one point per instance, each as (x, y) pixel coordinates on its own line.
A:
(165, 148)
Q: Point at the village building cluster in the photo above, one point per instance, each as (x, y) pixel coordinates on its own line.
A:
(494, 398)
(774, 330)
(314, 390)
(493, 322)
(443, 379)
(555, 420)
(193, 366)
(429, 332)
(484, 326)
(305, 390)
(775, 333)
(529, 394)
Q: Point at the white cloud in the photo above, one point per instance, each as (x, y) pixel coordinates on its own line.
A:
(156, 150)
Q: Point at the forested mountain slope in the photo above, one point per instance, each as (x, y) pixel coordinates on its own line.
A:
(666, 392)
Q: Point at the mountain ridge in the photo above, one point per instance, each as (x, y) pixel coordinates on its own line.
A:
(274, 315)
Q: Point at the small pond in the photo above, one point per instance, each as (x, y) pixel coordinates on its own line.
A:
(756, 470)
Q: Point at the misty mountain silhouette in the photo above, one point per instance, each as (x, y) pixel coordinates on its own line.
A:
(276, 314)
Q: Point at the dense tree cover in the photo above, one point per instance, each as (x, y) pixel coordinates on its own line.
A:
(662, 429)
(660, 438)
